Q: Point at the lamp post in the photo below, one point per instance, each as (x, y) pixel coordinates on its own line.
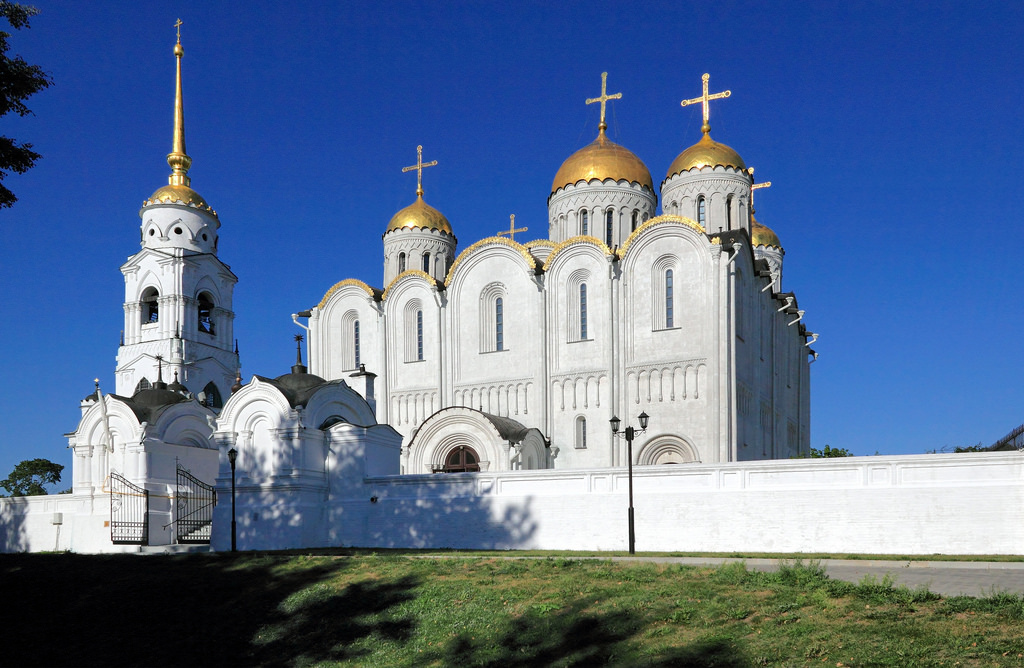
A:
(232, 456)
(628, 435)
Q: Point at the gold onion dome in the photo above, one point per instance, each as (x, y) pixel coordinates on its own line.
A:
(705, 153)
(419, 215)
(602, 159)
(762, 235)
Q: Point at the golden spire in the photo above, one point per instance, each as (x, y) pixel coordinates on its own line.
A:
(419, 169)
(756, 186)
(704, 99)
(603, 99)
(512, 229)
(177, 158)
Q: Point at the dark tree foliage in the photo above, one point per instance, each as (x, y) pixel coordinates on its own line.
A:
(829, 451)
(18, 82)
(29, 476)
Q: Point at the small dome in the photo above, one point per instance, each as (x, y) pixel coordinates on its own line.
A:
(705, 153)
(762, 235)
(602, 159)
(419, 215)
(179, 195)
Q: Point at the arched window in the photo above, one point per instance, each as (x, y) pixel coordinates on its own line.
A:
(636, 220)
(150, 307)
(211, 396)
(419, 336)
(728, 211)
(609, 216)
(581, 433)
(461, 460)
(426, 262)
(583, 311)
(206, 313)
(401, 262)
(355, 343)
(144, 384)
(499, 324)
(584, 224)
(701, 211)
(669, 312)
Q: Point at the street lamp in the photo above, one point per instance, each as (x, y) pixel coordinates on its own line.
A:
(232, 456)
(628, 435)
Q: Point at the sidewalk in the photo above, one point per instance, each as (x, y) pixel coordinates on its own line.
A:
(948, 578)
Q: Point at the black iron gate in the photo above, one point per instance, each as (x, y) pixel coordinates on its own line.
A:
(195, 504)
(129, 512)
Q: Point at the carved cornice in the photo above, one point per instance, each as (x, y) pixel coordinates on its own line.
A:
(666, 219)
(492, 241)
(576, 241)
(371, 292)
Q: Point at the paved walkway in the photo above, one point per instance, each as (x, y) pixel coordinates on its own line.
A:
(948, 578)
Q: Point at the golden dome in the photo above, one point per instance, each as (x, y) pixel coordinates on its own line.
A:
(419, 215)
(705, 153)
(762, 235)
(171, 194)
(602, 159)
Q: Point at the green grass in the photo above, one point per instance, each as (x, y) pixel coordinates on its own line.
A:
(393, 609)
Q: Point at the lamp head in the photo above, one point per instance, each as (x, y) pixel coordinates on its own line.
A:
(644, 418)
(232, 456)
(616, 422)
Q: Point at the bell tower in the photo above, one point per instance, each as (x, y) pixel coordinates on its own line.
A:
(178, 293)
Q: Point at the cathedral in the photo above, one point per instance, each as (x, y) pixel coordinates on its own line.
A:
(505, 356)
(516, 355)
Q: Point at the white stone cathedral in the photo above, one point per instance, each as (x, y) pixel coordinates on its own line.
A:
(514, 355)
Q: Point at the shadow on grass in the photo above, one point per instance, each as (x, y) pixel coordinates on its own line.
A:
(127, 610)
(573, 637)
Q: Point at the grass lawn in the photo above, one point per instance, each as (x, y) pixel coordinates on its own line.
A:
(398, 610)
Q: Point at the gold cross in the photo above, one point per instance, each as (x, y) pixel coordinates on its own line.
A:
(512, 229)
(704, 99)
(419, 169)
(604, 98)
(756, 186)
(177, 24)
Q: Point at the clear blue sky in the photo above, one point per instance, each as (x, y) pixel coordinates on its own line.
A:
(891, 133)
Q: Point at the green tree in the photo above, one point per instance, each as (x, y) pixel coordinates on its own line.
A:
(29, 476)
(18, 82)
(829, 451)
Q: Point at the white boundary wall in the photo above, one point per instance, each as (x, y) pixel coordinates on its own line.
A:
(968, 503)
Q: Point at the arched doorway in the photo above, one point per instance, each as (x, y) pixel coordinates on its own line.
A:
(461, 459)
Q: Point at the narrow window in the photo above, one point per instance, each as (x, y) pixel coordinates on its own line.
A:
(426, 262)
(669, 314)
(206, 313)
(581, 433)
(636, 220)
(584, 227)
(608, 217)
(728, 212)
(211, 396)
(355, 341)
(419, 336)
(150, 307)
(499, 324)
(583, 311)
(401, 262)
(701, 211)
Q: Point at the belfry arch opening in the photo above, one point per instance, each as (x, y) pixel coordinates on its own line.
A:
(150, 306)
(205, 315)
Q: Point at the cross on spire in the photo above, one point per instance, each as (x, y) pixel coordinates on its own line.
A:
(512, 229)
(756, 186)
(603, 99)
(704, 99)
(177, 24)
(419, 169)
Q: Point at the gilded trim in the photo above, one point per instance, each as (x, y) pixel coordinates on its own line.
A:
(408, 272)
(660, 220)
(575, 241)
(341, 284)
(490, 241)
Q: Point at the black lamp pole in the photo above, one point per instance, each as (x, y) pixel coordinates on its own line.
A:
(232, 456)
(629, 434)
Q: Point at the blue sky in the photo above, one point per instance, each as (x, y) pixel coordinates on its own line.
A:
(890, 132)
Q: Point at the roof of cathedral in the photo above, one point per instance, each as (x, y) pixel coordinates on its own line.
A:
(297, 386)
(149, 404)
(419, 215)
(762, 235)
(599, 160)
(172, 194)
(508, 429)
(705, 153)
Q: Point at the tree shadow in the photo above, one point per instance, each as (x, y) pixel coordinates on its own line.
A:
(129, 610)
